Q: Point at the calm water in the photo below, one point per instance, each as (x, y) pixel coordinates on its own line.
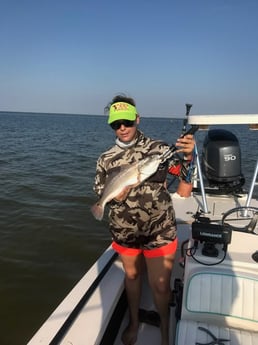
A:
(48, 238)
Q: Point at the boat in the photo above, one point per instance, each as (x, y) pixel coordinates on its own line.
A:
(215, 278)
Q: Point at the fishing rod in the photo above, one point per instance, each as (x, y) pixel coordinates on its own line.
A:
(172, 149)
(192, 130)
(188, 108)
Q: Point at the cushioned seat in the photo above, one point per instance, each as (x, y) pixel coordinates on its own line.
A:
(188, 333)
(223, 303)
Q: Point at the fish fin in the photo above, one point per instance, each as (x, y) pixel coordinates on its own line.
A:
(97, 211)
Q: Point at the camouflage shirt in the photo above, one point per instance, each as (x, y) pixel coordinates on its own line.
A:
(145, 219)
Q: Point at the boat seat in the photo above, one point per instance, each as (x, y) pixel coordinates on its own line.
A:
(189, 333)
(224, 303)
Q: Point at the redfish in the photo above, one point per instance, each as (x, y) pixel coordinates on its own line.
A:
(131, 175)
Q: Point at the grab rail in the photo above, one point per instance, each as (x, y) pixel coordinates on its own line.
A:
(253, 184)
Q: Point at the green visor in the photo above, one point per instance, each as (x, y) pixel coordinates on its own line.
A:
(122, 111)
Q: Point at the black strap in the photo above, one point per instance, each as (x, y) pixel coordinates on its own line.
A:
(215, 341)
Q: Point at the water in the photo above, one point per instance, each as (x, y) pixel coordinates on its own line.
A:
(48, 237)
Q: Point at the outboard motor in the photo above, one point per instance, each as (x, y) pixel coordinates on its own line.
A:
(221, 161)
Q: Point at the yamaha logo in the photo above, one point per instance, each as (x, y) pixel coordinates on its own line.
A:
(229, 157)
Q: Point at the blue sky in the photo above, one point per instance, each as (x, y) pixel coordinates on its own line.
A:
(74, 56)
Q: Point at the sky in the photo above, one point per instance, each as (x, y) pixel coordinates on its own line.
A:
(74, 56)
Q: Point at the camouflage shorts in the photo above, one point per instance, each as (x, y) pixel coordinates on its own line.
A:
(145, 220)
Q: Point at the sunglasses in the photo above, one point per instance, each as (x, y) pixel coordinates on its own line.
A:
(117, 124)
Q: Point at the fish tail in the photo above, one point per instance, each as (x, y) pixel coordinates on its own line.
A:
(97, 211)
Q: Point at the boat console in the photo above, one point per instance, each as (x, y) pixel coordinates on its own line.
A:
(220, 289)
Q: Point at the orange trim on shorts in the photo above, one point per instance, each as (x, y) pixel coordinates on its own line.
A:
(148, 253)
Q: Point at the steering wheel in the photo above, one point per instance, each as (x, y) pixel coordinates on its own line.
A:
(243, 219)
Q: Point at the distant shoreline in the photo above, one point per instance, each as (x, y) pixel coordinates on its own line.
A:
(71, 114)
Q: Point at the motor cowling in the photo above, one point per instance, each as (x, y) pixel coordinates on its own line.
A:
(221, 160)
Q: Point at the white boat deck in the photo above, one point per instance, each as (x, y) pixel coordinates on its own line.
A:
(88, 327)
